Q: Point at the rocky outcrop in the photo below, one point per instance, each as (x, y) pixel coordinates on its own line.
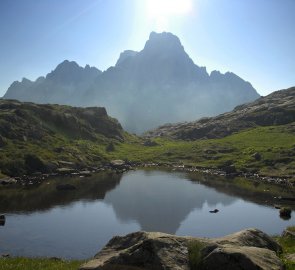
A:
(24, 121)
(246, 250)
(277, 108)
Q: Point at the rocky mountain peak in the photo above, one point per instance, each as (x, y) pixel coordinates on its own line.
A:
(125, 55)
(163, 42)
(65, 71)
(71, 72)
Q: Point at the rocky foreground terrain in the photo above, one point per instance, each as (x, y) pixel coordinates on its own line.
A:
(277, 108)
(249, 249)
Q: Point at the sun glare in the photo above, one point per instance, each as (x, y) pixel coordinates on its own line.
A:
(161, 11)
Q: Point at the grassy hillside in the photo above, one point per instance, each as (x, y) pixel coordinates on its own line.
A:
(46, 137)
(42, 137)
(265, 150)
(278, 108)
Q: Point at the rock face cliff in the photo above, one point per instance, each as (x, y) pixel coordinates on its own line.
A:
(277, 108)
(144, 89)
(246, 250)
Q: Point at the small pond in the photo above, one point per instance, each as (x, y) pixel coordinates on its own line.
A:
(44, 221)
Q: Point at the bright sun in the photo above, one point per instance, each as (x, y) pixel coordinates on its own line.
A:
(161, 11)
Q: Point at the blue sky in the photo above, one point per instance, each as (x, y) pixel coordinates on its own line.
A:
(253, 38)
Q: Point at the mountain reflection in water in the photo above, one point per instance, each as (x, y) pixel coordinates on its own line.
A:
(160, 202)
(44, 221)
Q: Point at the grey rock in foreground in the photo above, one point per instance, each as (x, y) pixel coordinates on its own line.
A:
(245, 250)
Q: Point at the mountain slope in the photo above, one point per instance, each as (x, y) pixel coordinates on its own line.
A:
(43, 135)
(277, 108)
(144, 89)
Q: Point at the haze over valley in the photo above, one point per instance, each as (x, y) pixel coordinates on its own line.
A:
(158, 85)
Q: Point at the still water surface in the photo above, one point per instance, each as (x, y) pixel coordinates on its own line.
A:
(42, 221)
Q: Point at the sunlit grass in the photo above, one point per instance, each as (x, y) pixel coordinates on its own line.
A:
(275, 145)
(288, 245)
(37, 264)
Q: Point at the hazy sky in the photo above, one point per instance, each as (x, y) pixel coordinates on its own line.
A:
(253, 38)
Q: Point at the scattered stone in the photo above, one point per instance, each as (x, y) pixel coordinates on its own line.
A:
(110, 147)
(55, 259)
(67, 164)
(85, 173)
(290, 257)
(229, 169)
(150, 143)
(257, 156)
(117, 162)
(7, 181)
(288, 233)
(65, 171)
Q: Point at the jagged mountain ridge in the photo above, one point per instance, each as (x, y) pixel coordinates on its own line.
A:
(278, 108)
(59, 86)
(144, 89)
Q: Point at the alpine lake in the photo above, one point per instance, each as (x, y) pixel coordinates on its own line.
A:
(42, 221)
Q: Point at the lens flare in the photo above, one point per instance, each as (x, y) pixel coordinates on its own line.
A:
(160, 12)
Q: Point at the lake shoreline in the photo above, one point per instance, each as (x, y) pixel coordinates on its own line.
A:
(119, 167)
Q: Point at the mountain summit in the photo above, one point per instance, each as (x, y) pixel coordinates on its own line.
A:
(144, 89)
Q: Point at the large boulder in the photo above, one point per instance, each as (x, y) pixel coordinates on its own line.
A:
(246, 250)
(250, 238)
(241, 258)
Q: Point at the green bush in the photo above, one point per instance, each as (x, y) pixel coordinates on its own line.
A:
(195, 255)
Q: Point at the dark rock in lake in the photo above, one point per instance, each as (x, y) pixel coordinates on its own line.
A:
(285, 212)
(2, 220)
(214, 211)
